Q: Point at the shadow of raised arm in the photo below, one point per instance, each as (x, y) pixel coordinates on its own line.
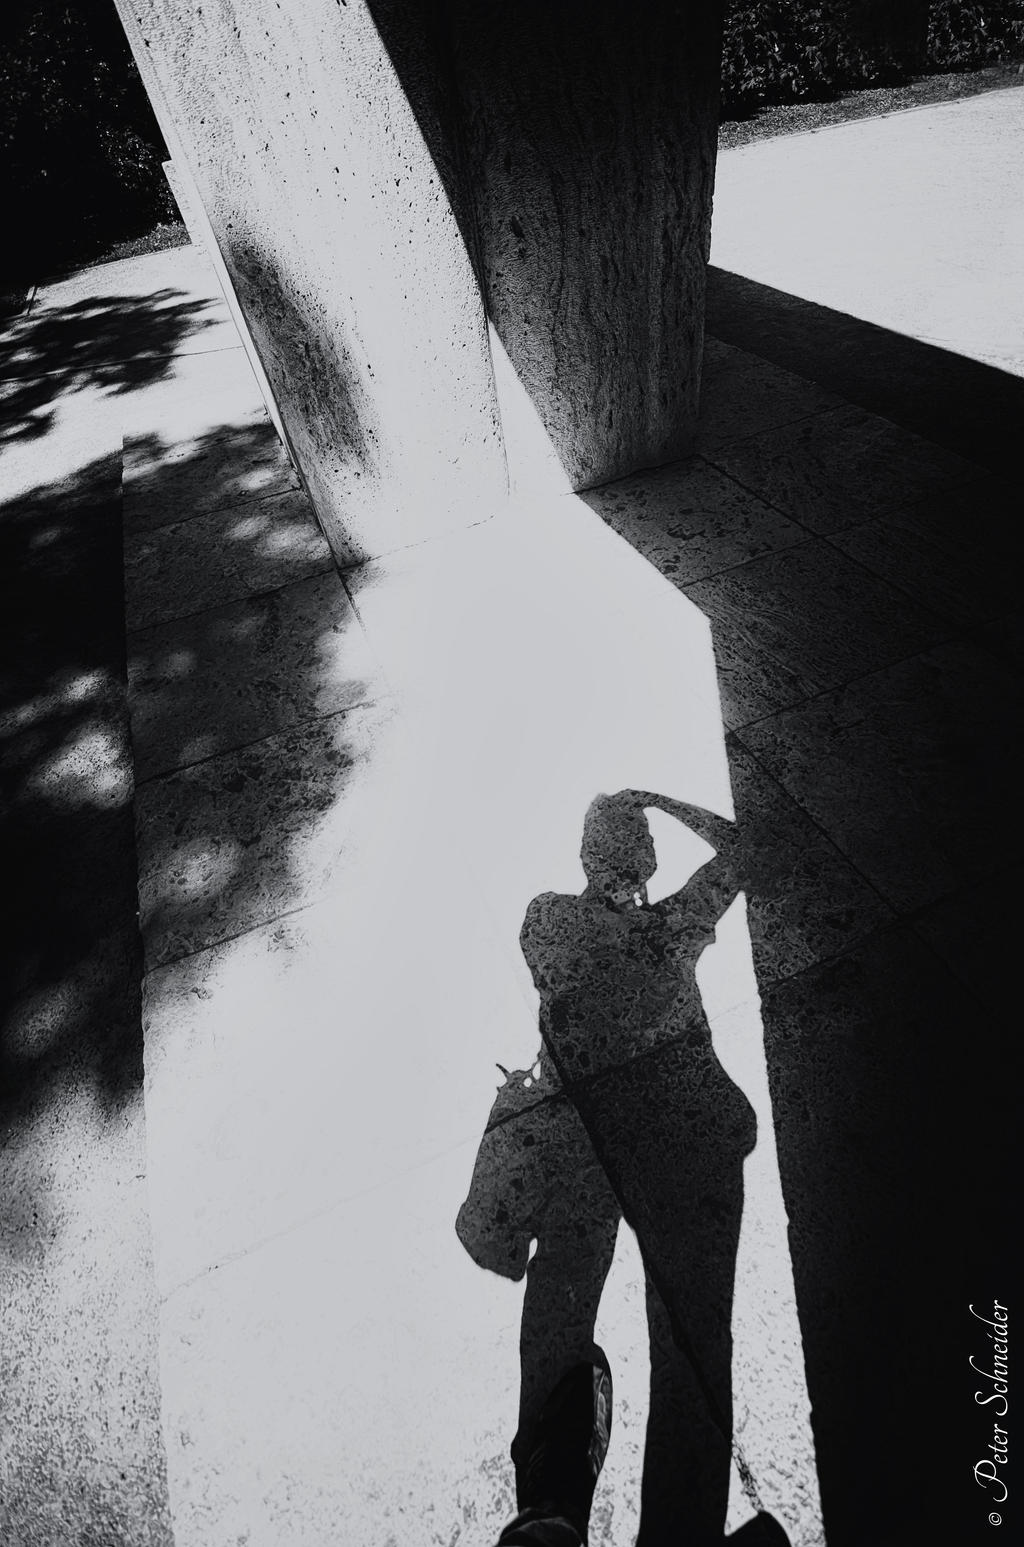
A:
(719, 831)
(719, 878)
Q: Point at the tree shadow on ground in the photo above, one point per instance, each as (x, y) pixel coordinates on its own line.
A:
(73, 1005)
(67, 773)
(66, 756)
(115, 344)
(71, 1032)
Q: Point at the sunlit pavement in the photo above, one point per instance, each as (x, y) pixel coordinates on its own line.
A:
(349, 789)
(914, 222)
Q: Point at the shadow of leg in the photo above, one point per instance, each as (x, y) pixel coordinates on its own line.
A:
(685, 1490)
(672, 1132)
(563, 1290)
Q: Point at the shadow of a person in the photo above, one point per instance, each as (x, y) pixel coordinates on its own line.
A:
(627, 1113)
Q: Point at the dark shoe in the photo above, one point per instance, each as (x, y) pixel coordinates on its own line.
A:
(559, 1457)
(763, 1531)
(540, 1530)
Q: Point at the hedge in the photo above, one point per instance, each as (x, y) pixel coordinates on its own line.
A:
(776, 52)
(80, 150)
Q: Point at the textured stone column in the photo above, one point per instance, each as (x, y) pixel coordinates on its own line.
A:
(590, 134)
(385, 176)
(581, 173)
(348, 265)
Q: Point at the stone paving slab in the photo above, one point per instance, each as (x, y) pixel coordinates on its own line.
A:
(953, 553)
(217, 838)
(743, 395)
(692, 521)
(907, 768)
(792, 624)
(219, 679)
(293, 1060)
(974, 933)
(223, 556)
(806, 901)
(168, 481)
(835, 467)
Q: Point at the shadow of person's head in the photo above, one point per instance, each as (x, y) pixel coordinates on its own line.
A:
(617, 852)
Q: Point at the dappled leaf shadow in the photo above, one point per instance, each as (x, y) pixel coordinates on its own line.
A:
(67, 775)
(72, 1007)
(112, 344)
(85, 1453)
(245, 662)
(226, 465)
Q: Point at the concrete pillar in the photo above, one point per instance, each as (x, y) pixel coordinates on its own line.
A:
(384, 177)
(337, 235)
(590, 135)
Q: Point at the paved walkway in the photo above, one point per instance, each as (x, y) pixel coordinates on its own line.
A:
(141, 349)
(349, 790)
(914, 222)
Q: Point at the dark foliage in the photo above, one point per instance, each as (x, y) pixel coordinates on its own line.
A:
(80, 149)
(777, 52)
(967, 36)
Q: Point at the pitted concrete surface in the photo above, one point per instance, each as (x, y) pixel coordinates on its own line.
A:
(914, 222)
